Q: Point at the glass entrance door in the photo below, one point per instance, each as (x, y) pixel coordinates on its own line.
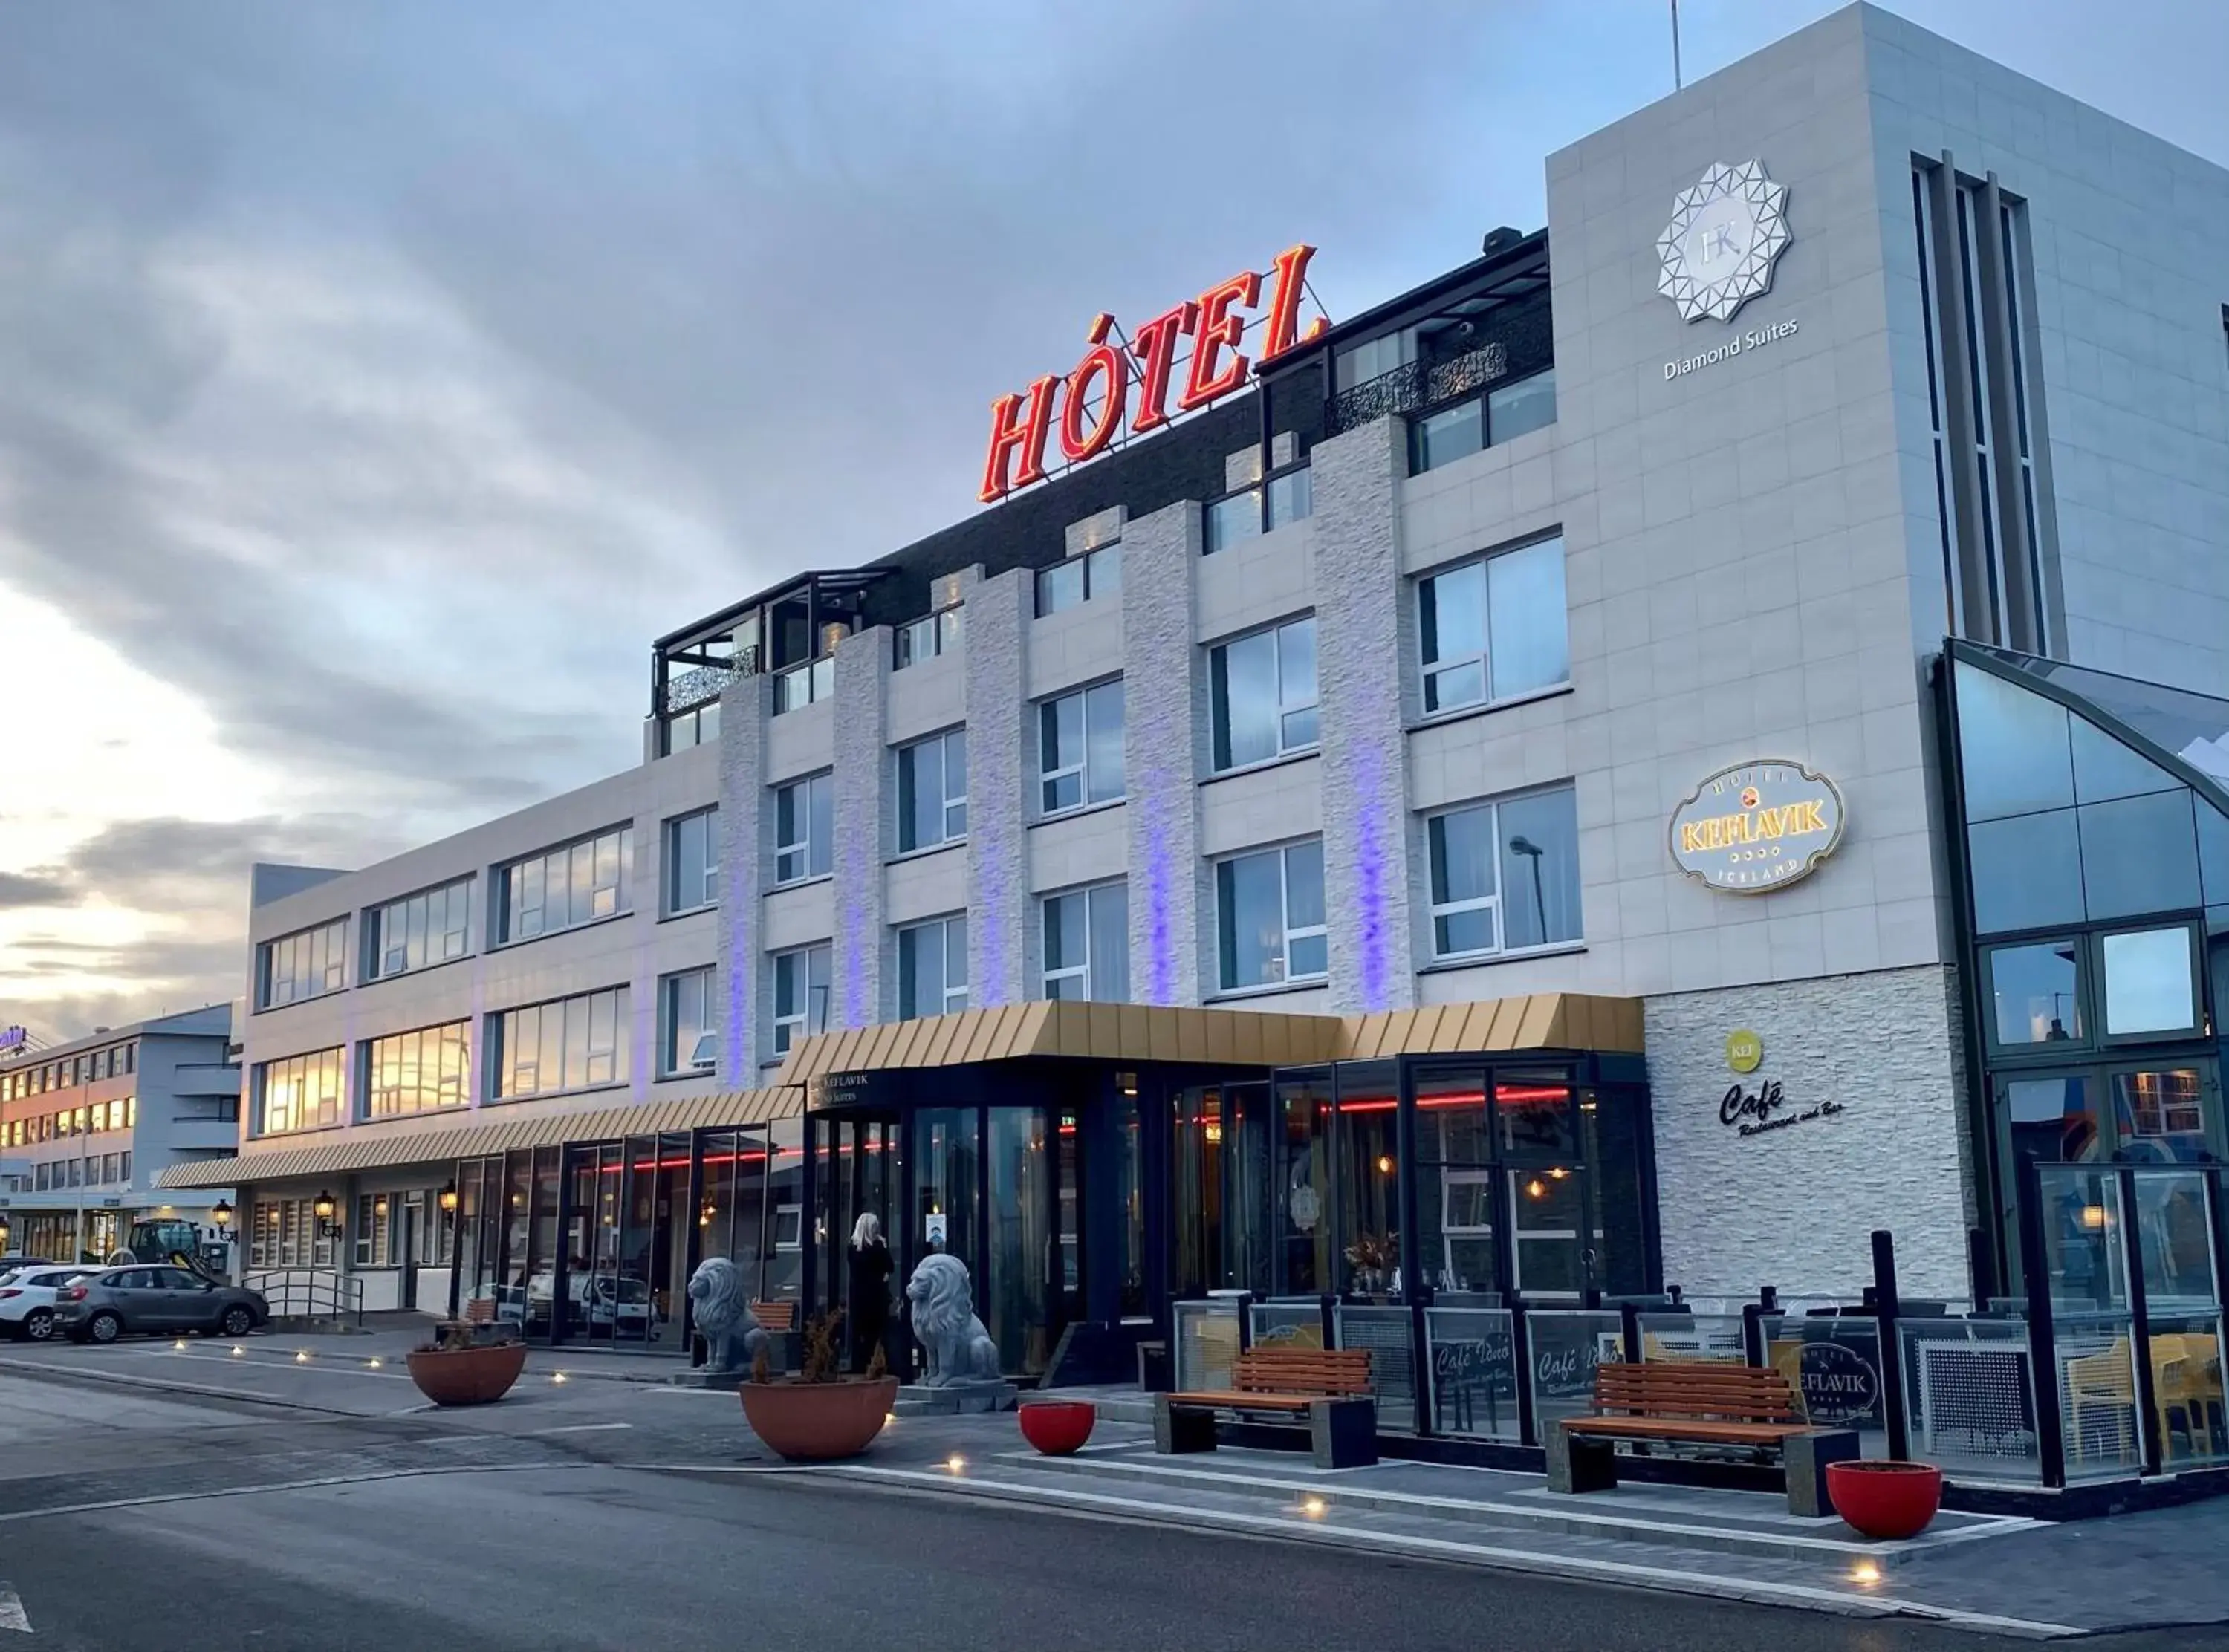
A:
(857, 1170)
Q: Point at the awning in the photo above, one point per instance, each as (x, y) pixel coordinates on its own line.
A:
(375, 1147)
(1546, 1020)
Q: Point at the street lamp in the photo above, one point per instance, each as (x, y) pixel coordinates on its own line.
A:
(1532, 852)
(449, 1197)
(221, 1213)
(323, 1208)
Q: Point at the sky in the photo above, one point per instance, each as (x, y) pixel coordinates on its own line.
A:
(376, 382)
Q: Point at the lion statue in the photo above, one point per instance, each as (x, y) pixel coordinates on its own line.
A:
(944, 1322)
(722, 1310)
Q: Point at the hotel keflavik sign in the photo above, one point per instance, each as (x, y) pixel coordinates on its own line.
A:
(1093, 398)
(1757, 827)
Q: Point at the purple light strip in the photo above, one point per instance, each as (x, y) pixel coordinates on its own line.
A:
(1369, 875)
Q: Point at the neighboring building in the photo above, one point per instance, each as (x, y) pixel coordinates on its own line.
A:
(1528, 706)
(87, 1128)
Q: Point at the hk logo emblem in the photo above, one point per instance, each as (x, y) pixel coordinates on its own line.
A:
(1726, 233)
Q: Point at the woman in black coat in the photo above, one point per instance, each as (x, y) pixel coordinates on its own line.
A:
(870, 1270)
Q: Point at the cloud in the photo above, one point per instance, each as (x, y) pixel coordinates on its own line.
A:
(35, 889)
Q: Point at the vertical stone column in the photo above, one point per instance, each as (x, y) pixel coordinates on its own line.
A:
(1360, 667)
(746, 861)
(999, 747)
(1164, 733)
(866, 784)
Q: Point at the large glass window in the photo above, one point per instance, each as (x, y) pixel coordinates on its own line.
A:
(1080, 580)
(933, 968)
(688, 1023)
(1270, 913)
(1087, 944)
(570, 1044)
(581, 883)
(932, 791)
(415, 1073)
(1502, 414)
(800, 996)
(2151, 984)
(692, 861)
(2036, 994)
(1264, 693)
(1374, 358)
(927, 637)
(430, 927)
(1495, 627)
(1505, 875)
(300, 1093)
(805, 828)
(306, 964)
(1080, 748)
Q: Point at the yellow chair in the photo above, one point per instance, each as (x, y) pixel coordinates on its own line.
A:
(2104, 1382)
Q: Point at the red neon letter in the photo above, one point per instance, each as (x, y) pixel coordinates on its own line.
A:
(1218, 329)
(1101, 359)
(1156, 348)
(1281, 328)
(1026, 432)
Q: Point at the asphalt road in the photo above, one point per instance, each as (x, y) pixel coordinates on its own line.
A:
(229, 1524)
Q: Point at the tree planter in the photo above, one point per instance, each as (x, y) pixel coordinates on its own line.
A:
(1886, 1500)
(471, 1376)
(814, 1421)
(1056, 1427)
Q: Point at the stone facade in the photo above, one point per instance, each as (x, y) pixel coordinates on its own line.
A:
(746, 865)
(1001, 758)
(1163, 736)
(866, 788)
(1796, 1206)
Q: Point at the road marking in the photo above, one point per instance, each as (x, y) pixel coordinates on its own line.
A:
(1563, 1565)
(11, 1612)
(582, 1428)
(155, 1498)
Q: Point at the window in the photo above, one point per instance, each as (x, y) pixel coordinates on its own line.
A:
(419, 1072)
(927, 637)
(1269, 913)
(578, 884)
(1376, 357)
(1264, 693)
(1080, 747)
(933, 969)
(1504, 876)
(692, 861)
(1227, 521)
(1495, 627)
(375, 1231)
(1288, 496)
(1080, 580)
(801, 685)
(688, 1023)
(697, 727)
(805, 828)
(800, 996)
(430, 927)
(305, 965)
(932, 791)
(570, 1044)
(300, 1092)
(2151, 982)
(1501, 414)
(1087, 944)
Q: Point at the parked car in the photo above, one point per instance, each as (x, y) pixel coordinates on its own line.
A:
(27, 1299)
(105, 1304)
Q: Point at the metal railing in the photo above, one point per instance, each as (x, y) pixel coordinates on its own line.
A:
(309, 1293)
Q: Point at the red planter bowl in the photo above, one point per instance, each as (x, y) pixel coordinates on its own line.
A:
(1056, 1427)
(473, 1376)
(1886, 1500)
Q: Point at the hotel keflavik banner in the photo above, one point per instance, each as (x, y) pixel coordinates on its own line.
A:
(1756, 827)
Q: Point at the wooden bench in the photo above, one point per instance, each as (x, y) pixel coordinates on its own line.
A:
(479, 1310)
(1328, 1387)
(1748, 1411)
(778, 1317)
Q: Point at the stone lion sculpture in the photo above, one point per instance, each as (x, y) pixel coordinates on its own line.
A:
(722, 1310)
(944, 1322)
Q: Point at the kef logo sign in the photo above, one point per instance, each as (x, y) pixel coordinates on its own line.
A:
(1091, 401)
(1756, 827)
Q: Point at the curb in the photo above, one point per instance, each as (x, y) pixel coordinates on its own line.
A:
(34, 1369)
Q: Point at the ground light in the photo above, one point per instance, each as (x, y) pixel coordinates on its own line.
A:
(1314, 1508)
(890, 1420)
(557, 1376)
(375, 1364)
(1864, 1574)
(180, 1344)
(237, 1350)
(955, 1462)
(301, 1356)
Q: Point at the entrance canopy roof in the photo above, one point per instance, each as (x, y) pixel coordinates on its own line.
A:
(372, 1148)
(1545, 1021)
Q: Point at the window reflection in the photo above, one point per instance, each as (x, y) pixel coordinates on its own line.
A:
(2149, 985)
(2139, 855)
(2036, 994)
(2159, 1116)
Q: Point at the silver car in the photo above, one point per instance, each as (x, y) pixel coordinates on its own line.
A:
(104, 1305)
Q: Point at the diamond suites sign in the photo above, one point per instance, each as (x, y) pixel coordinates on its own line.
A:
(1726, 234)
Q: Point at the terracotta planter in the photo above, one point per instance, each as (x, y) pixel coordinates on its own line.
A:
(1056, 1427)
(814, 1421)
(1886, 1500)
(467, 1376)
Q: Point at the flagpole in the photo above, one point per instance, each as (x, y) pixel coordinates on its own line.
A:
(1677, 83)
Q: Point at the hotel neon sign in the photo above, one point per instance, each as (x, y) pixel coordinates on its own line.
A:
(1094, 398)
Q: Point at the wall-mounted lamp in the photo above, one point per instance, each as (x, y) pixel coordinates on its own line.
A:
(323, 1208)
(449, 1198)
(221, 1213)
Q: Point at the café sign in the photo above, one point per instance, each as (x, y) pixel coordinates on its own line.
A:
(1083, 410)
(1756, 827)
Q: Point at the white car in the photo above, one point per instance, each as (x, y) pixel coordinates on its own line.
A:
(27, 1300)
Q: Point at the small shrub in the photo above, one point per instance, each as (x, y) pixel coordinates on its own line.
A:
(761, 1366)
(824, 1360)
